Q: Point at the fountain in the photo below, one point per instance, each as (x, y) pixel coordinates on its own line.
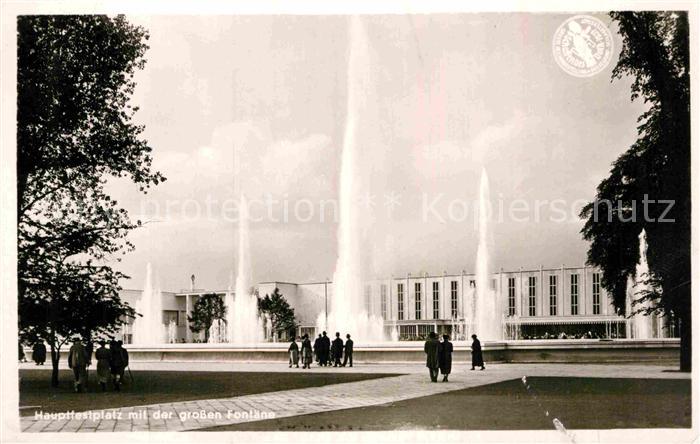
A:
(395, 333)
(217, 332)
(125, 333)
(348, 313)
(487, 319)
(269, 334)
(242, 319)
(172, 332)
(148, 329)
(229, 301)
(642, 325)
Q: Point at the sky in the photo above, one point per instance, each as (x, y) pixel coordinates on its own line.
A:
(259, 105)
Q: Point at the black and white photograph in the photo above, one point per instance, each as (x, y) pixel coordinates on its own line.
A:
(318, 222)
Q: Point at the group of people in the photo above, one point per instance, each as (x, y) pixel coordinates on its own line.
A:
(111, 363)
(323, 350)
(563, 335)
(439, 356)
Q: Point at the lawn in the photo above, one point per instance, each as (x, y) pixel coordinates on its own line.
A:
(153, 387)
(579, 403)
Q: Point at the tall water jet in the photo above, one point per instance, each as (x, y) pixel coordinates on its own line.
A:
(149, 328)
(394, 336)
(244, 325)
(348, 313)
(487, 317)
(642, 326)
(217, 332)
(172, 332)
(229, 302)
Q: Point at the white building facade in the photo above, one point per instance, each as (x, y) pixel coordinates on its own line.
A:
(539, 303)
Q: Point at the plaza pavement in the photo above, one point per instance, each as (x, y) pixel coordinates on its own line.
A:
(413, 383)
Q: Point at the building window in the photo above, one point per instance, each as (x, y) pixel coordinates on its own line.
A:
(511, 296)
(553, 295)
(532, 295)
(382, 290)
(424, 331)
(493, 284)
(596, 293)
(436, 300)
(574, 294)
(399, 298)
(453, 299)
(409, 332)
(472, 283)
(418, 300)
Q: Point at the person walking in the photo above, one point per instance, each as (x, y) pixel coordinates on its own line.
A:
(77, 361)
(325, 349)
(125, 357)
(39, 353)
(306, 352)
(431, 359)
(337, 350)
(317, 349)
(102, 356)
(477, 356)
(293, 353)
(445, 357)
(22, 358)
(117, 364)
(348, 350)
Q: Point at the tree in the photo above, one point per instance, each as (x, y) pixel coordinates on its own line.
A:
(655, 169)
(77, 300)
(74, 131)
(277, 308)
(208, 308)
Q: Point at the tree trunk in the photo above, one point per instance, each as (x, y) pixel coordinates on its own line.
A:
(55, 358)
(686, 344)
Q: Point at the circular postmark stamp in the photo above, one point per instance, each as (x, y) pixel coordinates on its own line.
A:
(582, 46)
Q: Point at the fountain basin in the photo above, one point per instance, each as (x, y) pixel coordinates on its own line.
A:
(522, 351)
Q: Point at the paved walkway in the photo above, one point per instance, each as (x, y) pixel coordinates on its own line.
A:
(192, 415)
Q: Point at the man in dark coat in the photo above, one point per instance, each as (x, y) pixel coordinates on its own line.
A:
(77, 361)
(102, 356)
(317, 349)
(325, 349)
(348, 350)
(445, 357)
(306, 352)
(337, 350)
(118, 360)
(431, 351)
(477, 356)
(39, 353)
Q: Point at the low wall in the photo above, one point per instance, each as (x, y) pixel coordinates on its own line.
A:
(525, 351)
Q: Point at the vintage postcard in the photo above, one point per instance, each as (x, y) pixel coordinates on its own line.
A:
(348, 222)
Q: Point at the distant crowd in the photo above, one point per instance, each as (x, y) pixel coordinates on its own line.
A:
(323, 351)
(562, 335)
